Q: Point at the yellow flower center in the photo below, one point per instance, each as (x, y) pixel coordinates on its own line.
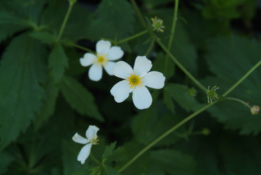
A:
(94, 141)
(102, 60)
(134, 80)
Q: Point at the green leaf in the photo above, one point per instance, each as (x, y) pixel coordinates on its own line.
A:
(4, 162)
(48, 107)
(79, 98)
(174, 162)
(108, 151)
(22, 70)
(118, 18)
(229, 59)
(58, 62)
(44, 37)
(110, 171)
(180, 94)
(10, 24)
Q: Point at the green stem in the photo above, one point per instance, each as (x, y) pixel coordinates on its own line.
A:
(95, 160)
(181, 66)
(150, 47)
(238, 100)
(132, 37)
(174, 22)
(164, 135)
(243, 78)
(143, 22)
(65, 21)
(81, 47)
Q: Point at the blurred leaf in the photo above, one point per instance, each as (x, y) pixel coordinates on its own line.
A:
(10, 24)
(110, 171)
(22, 70)
(179, 93)
(108, 151)
(168, 69)
(229, 59)
(70, 164)
(79, 98)
(44, 37)
(4, 162)
(58, 62)
(112, 20)
(48, 107)
(174, 162)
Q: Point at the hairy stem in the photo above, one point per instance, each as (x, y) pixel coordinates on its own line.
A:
(132, 37)
(172, 33)
(243, 78)
(164, 135)
(181, 66)
(143, 22)
(65, 21)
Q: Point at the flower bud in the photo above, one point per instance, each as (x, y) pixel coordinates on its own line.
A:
(254, 110)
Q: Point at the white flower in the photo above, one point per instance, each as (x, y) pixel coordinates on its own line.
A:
(135, 81)
(105, 55)
(91, 139)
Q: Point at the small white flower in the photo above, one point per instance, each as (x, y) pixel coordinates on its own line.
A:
(92, 139)
(105, 55)
(136, 80)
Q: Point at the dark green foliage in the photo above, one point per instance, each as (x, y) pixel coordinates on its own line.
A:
(46, 96)
(79, 98)
(230, 58)
(22, 72)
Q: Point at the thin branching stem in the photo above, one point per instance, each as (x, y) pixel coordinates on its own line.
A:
(143, 22)
(65, 21)
(181, 66)
(132, 37)
(243, 78)
(174, 22)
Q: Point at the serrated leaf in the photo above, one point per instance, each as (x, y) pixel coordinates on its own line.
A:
(108, 151)
(48, 107)
(58, 62)
(22, 70)
(180, 94)
(79, 98)
(229, 59)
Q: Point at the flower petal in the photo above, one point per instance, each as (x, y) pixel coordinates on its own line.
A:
(122, 70)
(115, 53)
(95, 72)
(109, 67)
(142, 65)
(84, 153)
(121, 91)
(79, 139)
(87, 59)
(102, 47)
(91, 132)
(141, 97)
(154, 80)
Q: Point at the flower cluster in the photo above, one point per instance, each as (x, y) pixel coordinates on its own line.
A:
(135, 80)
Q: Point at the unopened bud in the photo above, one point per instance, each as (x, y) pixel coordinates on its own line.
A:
(254, 110)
